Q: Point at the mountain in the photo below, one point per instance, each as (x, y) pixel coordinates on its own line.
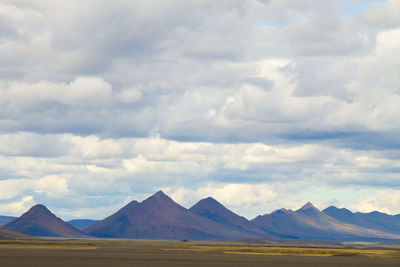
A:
(159, 217)
(82, 223)
(39, 221)
(10, 235)
(372, 220)
(310, 223)
(6, 219)
(213, 210)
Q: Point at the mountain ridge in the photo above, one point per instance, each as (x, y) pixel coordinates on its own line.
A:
(213, 210)
(372, 220)
(159, 217)
(308, 222)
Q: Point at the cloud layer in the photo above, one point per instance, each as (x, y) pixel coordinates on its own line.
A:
(261, 104)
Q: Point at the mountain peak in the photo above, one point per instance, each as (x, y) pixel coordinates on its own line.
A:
(215, 211)
(307, 206)
(39, 209)
(160, 195)
(210, 200)
(333, 209)
(40, 221)
(159, 199)
(283, 210)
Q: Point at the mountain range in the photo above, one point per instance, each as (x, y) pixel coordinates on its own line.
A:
(372, 220)
(159, 217)
(310, 223)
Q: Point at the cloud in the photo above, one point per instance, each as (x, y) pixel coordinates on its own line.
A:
(385, 201)
(18, 207)
(382, 14)
(242, 198)
(106, 103)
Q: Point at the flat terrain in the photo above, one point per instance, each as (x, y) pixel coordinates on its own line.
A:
(63, 252)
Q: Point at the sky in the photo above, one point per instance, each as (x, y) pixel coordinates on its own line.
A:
(261, 104)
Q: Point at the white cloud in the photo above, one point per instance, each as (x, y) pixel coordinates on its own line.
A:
(12, 188)
(82, 90)
(384, 15)
(130, 96)
(101, 110)
(17, 208)
(241, 198)
(53, 186)
(386, 201)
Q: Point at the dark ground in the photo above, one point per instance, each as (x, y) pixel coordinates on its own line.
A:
(156, 253)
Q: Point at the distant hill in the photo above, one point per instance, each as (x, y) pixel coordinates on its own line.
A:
(10, 235)
(39, 221)
(372, 220)
(159, 217)
(6, 219)
(213, 210)
(82, 223)
(310, 223)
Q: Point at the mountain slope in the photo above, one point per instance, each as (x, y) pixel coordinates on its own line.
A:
(159, 217)
(310, 223)
(82, 223)
(39, 221)
(372, 220)
(213, 210)
(10, 235)
(6, 219)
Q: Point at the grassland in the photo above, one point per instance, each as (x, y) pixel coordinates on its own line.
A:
(101, 252)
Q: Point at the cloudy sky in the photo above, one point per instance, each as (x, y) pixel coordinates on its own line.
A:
(261, 104)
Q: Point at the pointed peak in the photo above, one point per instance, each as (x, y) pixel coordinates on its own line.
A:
(39, 208)
(159, 196)
(160, 193)
(307, 206)
(210, 199)
(209, 202)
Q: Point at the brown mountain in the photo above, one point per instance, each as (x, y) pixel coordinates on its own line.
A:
(159, 217)
(39, 221)
(213, 210)
(310, 223)
(10, 235)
